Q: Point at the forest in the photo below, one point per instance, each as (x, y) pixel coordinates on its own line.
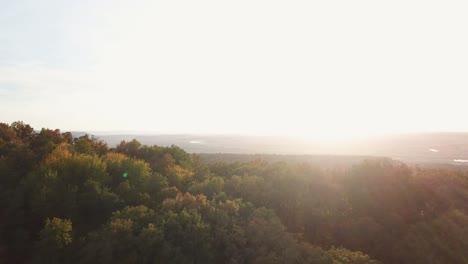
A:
(66, 199)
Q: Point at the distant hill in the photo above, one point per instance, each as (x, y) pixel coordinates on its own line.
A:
(76, 134)
(442, 148)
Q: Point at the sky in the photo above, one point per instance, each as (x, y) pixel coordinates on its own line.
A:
(328, 69)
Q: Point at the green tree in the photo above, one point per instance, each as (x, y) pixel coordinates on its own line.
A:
(55, 237)
(90, 145)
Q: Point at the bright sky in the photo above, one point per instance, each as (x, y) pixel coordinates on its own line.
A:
(317, 68)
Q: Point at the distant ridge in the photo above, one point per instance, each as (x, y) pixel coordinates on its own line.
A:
(442, 147)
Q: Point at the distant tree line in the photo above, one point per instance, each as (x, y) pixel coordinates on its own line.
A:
(75, 200)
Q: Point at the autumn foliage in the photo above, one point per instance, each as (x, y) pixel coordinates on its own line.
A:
(75, 200)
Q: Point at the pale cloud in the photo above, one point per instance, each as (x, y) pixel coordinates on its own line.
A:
(38, 78)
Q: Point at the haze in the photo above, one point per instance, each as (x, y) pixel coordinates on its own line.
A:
(329, 69)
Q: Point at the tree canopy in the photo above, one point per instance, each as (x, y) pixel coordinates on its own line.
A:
(76, 200)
